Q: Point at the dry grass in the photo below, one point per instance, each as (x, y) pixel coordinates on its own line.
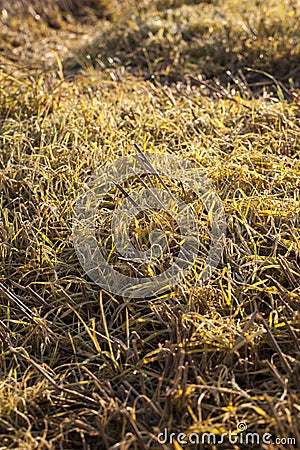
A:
(81, 368)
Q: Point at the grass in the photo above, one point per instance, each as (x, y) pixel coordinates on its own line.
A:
(82, 368)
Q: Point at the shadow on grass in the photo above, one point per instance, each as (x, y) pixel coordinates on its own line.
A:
(207, 39)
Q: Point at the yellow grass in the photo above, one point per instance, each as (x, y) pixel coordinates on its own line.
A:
(216, 83)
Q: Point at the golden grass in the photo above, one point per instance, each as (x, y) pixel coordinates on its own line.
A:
(84, 369)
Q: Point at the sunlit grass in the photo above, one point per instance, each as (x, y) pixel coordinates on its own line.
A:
(83, 368)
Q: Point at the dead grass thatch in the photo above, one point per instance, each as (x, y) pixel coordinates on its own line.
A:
(82, 368)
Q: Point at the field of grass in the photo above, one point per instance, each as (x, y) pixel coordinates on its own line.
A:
(214, 82)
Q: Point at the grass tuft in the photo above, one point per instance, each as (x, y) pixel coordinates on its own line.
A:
(82, 368)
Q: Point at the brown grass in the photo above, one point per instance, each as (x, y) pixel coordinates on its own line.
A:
(82, 368)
